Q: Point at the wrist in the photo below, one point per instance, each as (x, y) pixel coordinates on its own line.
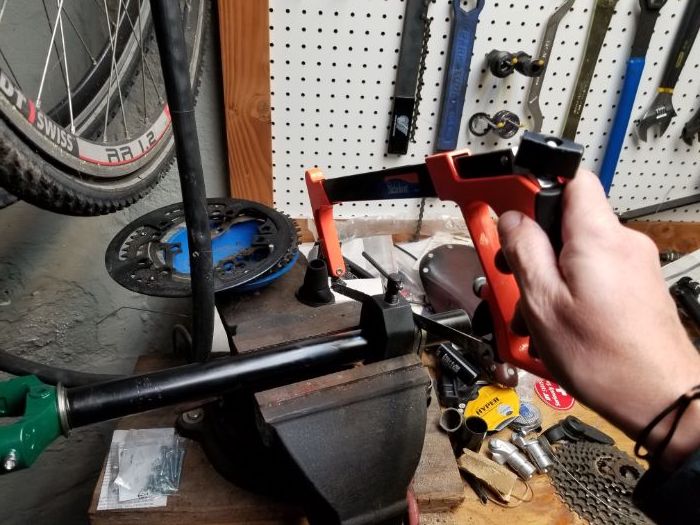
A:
(663, 389)
(685, 439)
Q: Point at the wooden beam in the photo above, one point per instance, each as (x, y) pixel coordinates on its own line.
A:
(245, 57)
(683, 237)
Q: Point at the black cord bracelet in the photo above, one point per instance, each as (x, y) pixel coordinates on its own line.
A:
(681, 404)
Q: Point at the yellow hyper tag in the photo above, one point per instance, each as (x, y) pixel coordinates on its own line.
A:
(496, 405)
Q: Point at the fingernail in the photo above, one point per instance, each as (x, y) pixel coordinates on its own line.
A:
(509, 221)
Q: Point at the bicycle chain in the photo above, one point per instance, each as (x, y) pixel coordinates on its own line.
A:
(427, 21)
(596, 482)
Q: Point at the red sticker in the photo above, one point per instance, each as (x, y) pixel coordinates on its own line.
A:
(553, 395)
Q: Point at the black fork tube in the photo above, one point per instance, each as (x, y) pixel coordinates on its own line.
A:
(256, 371)
(167, 21)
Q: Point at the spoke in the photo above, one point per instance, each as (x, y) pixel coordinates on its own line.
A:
(48, 53)
(58, 63)
(67, 75)
(143, 60)
(113, 68)
(7, 62)
(148, 67)
(80, 37)
(9, 68)
(109, 87)
(2, 9)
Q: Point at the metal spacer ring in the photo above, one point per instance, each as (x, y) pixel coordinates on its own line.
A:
(62, 404)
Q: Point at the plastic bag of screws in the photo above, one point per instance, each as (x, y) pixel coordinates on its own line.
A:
(150, 463)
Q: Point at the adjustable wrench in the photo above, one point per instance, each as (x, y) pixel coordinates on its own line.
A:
(650, 11)
(662, 112)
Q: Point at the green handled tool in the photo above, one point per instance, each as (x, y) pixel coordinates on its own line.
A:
(37, 404)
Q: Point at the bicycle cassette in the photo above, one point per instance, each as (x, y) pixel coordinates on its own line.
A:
(252, 245)
(596, 481)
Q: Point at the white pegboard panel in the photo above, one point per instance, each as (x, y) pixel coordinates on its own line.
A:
(333, 66)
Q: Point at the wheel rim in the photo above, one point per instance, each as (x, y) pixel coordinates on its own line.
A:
(101, 143)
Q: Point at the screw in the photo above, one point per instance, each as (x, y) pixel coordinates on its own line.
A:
(478, 284)
(339, 271)
(193, 416)
(10, 461)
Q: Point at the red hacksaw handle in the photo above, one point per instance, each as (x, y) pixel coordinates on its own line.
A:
(475, 197)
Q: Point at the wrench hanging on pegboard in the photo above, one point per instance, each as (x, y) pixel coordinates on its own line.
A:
(602, 16)
(649, 14)
(548, 41)
(462, 38)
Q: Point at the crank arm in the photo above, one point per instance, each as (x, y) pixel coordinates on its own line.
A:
(531, 183)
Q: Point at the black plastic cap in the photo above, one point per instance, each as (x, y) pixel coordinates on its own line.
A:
(315, 290)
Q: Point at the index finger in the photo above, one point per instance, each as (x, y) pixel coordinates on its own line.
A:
(586, 211)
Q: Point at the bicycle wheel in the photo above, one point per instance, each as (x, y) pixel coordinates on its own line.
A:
(84, 125)
(6, 199)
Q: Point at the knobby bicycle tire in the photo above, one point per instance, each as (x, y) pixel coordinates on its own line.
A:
(48, 166)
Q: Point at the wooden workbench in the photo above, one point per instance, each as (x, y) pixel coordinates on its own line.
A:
(206, 498)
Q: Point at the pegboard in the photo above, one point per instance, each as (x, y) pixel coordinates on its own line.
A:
(333, 65)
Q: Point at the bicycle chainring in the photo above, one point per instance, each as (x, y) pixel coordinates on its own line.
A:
(250, 243)
(596, 482)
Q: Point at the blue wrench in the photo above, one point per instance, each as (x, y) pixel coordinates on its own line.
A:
(455, 89)
(633, 75)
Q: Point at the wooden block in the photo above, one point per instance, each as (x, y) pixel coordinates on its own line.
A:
(491, 473)
(442, 518)
(245, 63)
(437, 484)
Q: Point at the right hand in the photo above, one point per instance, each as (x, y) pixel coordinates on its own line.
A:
(601, 316)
